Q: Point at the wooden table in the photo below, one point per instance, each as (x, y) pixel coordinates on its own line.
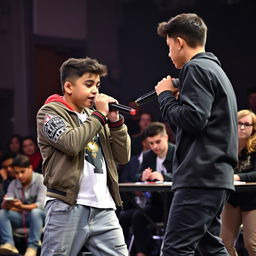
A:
(164, 188)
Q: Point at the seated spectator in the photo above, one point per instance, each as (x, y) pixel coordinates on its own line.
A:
(6, 172)
(127, 173)
(14, 144)
(144, 120)
(156, 166)
(241, 206)
(30, 149)
(23, 207)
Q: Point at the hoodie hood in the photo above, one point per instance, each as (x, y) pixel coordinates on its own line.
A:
(57, 98)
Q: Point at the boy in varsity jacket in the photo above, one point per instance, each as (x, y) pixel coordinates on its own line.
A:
(80, 148)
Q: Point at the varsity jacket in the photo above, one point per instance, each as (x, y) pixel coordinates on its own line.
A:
(62, 140)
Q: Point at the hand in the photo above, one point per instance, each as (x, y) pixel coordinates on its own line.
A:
(12, 204)
(156, 176)
(17, 204)
(113, 115)
(166, 85)
(145, 174)
(101, 103)
(236, 177)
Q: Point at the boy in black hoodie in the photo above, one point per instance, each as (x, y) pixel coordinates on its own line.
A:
(203, 110)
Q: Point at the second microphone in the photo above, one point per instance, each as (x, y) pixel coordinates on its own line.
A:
(152, 94)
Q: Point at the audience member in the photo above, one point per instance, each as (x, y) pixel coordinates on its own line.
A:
(6, 172)
(241, 206)
(14, 144)
(30, 149)
(156, 166)
(23, 207)
(127, 173)
(145, 119)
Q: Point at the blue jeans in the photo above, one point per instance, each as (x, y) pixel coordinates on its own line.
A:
(34, 220)
(68, 228)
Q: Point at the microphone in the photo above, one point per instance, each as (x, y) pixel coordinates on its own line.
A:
(152, 94)
(122, 108)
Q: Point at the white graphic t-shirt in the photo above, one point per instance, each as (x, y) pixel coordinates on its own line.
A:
(93, 183)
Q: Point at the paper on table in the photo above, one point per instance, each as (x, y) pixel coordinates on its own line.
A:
(237, 182)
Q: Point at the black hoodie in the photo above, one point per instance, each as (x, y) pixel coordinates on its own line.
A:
(205, 116)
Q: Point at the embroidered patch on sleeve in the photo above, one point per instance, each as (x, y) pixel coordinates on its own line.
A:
(54, 126)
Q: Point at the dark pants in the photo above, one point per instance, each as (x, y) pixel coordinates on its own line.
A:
(193, 226)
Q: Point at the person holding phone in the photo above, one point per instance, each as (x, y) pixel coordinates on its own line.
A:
(23, 207)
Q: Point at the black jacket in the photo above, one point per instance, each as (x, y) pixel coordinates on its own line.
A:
(149, 160)
(246, 170)
(205, 116)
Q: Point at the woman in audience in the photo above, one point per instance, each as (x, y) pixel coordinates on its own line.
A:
(30, 149)
(241, 206)
(14, 144)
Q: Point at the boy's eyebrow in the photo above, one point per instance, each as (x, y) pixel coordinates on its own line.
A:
(92, 81)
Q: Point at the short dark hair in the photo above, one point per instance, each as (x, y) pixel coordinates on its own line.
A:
(189, 26)
(154, 129)
(75, 68)
(5, 156)
(21, 161)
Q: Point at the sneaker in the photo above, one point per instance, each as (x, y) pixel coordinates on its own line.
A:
(30, 252)
(8, 249)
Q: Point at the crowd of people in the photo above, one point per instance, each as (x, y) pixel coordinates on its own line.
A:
(202, 144)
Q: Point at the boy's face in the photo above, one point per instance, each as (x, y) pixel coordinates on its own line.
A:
(175, 52)
(82, 91)
(23, 174)
(158, 144)
(29, 147)
(7, 165)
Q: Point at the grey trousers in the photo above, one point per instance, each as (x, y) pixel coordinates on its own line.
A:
(68, 228)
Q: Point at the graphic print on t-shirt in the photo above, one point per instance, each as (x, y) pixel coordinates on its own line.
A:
(93, 154)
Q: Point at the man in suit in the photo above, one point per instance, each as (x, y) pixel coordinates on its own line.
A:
(156, 166)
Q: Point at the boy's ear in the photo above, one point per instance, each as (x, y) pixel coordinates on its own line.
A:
(67, 87)
(180, 41)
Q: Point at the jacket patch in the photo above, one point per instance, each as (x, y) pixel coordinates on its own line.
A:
(54, 126)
